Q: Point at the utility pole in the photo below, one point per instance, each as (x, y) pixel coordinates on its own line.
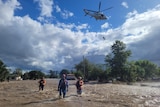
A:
(84, 68)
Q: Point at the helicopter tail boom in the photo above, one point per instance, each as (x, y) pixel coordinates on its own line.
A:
(88, 12)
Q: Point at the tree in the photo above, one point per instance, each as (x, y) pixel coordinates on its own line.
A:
(149, 69)
(131, 70)
(36, 74)
(64, 71)
(85, 67)
(96, 73)
(18, 72)
(78, 74)
(158, 72)
(4, 73)
(117, 60)
(26, 76)
(52, 74)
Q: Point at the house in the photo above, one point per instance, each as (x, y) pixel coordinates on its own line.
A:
(14, 77)
(18, 78)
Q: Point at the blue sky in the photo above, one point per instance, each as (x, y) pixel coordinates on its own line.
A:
(55, 34)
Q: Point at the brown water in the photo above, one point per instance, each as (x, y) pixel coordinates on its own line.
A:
(26, 94)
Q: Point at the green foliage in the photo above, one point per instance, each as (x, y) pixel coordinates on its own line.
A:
(92, 71)
(36, 74)
(131, 70)
(18, 72)
(98, 72)
(78, 73)
(103, 76)
(117, 60)
(26, 76)
(4, 73)
(80, 67)
(158, 72)
(85, 67)
(64, 71)
(148, 69)
(140, 73)
(95, 73)
(52, 74)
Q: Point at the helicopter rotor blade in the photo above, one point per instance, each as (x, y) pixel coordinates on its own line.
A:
(99, 6)
(106, 9)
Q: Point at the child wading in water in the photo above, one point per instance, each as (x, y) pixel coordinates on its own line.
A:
(79, 85)
(42, 83)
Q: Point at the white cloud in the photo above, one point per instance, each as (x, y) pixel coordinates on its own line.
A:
(73, 26)
(105, 25)
(65, 14)
(7, 9)
(131, 14)
(142, 34)
(124, 4)
(58, 9)
(45, 7)
(81, 27)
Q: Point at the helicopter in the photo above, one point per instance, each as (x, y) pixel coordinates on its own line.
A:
(98, 15)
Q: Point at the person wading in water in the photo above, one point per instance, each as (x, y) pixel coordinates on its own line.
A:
(42, 83)
(63, 86)
(79, 85)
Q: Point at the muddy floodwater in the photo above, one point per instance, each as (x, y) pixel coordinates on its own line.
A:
(25, 94)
